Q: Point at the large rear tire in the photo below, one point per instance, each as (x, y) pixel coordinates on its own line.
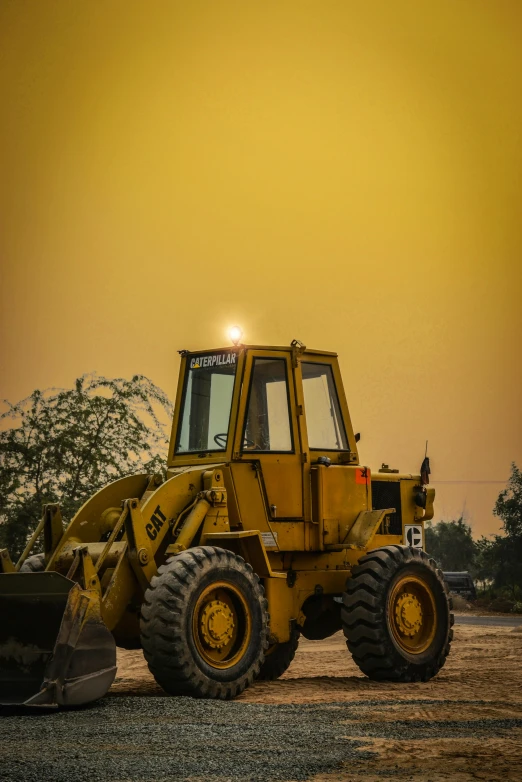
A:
(204, 624)
(397, 615)
(278, 658)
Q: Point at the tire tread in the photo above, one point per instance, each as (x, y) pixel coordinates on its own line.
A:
(364, 622)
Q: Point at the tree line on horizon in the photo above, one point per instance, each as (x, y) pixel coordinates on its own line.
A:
(63, 445)
(495, 562)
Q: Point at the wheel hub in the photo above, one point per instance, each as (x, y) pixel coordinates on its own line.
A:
(217, 624)
(408, 614)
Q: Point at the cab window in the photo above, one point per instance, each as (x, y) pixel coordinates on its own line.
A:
(324, 422)
(267, 425)
(207, 402)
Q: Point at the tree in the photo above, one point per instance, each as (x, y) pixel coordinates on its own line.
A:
(62, 445)
(486, 556)
(508, 506)
(498, 559)
(451, 544)
(506, 553)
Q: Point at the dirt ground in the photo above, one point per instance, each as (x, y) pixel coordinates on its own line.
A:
(466, 724)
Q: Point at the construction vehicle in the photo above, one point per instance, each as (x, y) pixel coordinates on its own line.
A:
(266, 527)
(461, 583)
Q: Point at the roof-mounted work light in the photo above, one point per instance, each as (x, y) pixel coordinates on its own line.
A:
(235, 334)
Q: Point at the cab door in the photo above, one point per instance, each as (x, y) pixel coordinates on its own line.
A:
(267, 432)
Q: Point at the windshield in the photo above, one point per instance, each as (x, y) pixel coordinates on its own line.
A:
(207, 402)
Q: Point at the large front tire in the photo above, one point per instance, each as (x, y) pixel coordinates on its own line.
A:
(397, 615)
(204, 624)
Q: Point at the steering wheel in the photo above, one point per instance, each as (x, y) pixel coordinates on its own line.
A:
(221, 441)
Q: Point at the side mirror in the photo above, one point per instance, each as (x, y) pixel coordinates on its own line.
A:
(357, 437)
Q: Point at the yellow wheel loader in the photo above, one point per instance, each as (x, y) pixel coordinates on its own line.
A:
(265, 528)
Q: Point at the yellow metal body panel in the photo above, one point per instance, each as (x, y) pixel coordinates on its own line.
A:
(249, 544)
(365, 527)
(386, 540)
(290, 535)
(314, 561)
(283, 479)
(234, 515)
(252, 511)
(339, 494)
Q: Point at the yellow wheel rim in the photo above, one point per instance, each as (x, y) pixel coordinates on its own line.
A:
(221, 625)
(412, 614)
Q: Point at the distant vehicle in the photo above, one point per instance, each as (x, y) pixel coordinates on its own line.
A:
(461, 583)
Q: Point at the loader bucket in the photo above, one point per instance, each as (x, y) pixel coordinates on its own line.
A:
(55, 649)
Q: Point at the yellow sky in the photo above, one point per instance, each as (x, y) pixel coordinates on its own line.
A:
(346, 173)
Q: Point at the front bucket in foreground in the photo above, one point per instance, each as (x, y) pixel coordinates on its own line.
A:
(54, 647)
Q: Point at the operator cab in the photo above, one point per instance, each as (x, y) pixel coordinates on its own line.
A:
(275, 408)
(246, 399)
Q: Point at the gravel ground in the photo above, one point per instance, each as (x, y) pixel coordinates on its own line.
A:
(161, 738)
(489, 621)
(323, 721)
